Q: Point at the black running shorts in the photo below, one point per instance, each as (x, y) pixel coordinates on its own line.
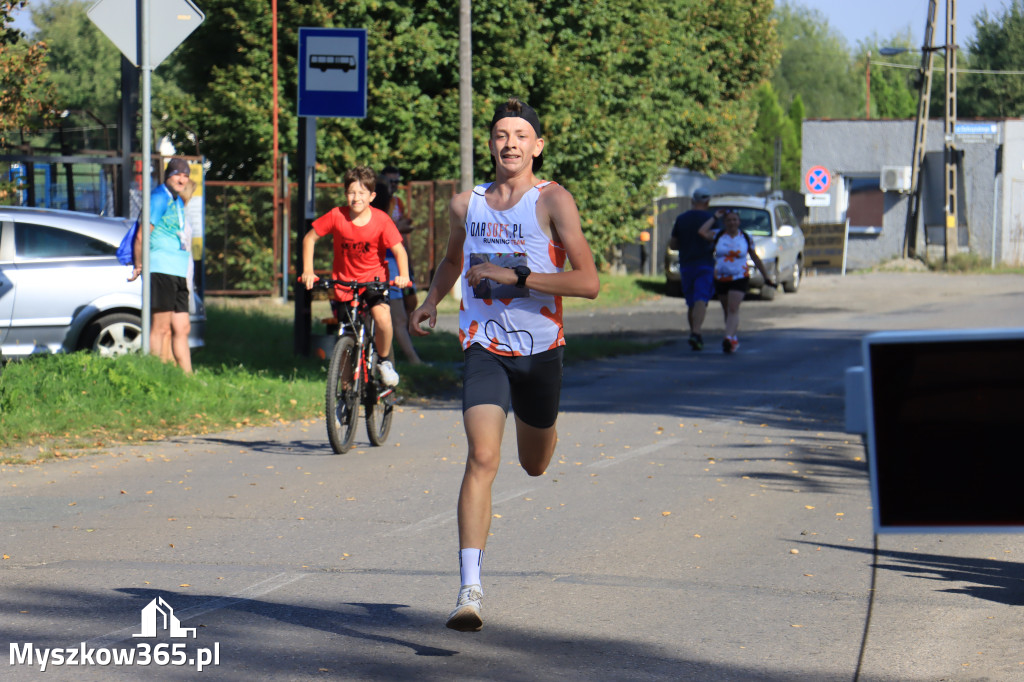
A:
(531, 384)
(168, 293)
(723, 287)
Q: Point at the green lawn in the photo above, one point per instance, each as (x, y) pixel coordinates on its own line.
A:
(57, 405)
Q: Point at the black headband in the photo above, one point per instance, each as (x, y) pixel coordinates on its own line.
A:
(525, 112)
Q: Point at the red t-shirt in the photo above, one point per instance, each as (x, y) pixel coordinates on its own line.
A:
(358, 249)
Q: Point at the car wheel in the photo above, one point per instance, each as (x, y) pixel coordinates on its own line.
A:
(673, 288)
(767, 292)
(113, 335)
(793, 285)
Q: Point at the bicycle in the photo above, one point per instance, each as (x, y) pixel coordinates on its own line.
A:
(351, 375)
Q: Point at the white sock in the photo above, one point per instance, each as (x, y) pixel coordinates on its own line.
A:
(469, 565)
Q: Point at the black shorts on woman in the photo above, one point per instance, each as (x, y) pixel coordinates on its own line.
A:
(724, 286)
(530, 384)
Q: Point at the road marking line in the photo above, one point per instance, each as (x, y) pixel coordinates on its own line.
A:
(256, 590)
(630, 454)
(447, 516)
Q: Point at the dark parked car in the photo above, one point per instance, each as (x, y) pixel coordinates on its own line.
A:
(62, 288)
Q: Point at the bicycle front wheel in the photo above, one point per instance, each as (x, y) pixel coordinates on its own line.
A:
(343, 386)
(378, 419)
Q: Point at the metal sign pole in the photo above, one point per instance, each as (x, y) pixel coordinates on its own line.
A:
(147, 180)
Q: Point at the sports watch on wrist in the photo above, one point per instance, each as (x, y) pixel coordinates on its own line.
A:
(522, 272)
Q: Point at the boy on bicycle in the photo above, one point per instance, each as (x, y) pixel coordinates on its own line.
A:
(361, 235)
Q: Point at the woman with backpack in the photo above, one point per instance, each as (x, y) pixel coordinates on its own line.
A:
(732, 274)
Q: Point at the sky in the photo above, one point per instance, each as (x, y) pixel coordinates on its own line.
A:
(858, 20)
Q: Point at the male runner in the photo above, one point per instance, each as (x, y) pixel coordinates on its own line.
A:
(509, 240)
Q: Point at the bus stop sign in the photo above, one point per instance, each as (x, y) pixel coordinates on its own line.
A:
(332, 72)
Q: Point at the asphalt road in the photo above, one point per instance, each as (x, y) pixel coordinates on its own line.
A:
(705, 518)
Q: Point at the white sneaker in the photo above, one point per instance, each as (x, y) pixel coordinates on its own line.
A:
(466, 616)
(388, 375)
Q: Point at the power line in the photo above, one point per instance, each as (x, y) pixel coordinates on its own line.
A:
(990, 72)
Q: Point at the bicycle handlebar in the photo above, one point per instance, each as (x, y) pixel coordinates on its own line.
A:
(327, 283)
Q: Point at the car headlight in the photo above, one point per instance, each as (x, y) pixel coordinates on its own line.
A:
(759, 250)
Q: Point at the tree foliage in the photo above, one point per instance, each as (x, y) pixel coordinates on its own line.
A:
(998, 45)
(894, 90)
(624, 89)
(25, 91)
(773, 124)
(816, 64)
(85, 68)
(83, 64)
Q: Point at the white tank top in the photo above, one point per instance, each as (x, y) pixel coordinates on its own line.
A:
(502, 318)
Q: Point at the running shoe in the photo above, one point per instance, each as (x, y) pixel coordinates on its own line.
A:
(726, 346)
(696, 342)
(388, 375)
(466, 616)
(734, 345)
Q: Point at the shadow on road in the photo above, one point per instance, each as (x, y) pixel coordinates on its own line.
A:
(990, 579)
(360, 640)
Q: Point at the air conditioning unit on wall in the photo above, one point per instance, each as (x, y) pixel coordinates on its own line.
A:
(895, 179)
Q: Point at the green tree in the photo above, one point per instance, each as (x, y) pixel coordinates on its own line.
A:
(85, 69)
(624, 89)
(84, 64)
(816, 64)
(725, 51)
(894, 90)
(998, 45)
(797, 114)
(773, 124)
(25, 91)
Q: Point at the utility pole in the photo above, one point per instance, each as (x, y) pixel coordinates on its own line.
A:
(951, 159)
(952, 242)
(465, 96)
(924, 93)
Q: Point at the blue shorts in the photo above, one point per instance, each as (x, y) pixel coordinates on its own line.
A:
(698, 283)
(394, 292)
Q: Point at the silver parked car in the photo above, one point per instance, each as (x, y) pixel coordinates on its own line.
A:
(62, 288)
(778, 241)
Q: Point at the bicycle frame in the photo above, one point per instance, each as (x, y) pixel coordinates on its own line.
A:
(350, 381)
(361, 327)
